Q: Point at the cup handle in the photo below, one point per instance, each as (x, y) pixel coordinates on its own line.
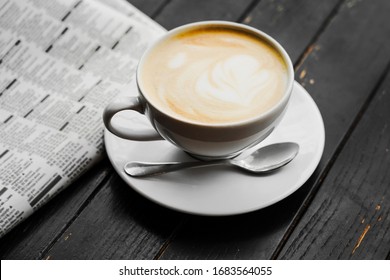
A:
(128, 103)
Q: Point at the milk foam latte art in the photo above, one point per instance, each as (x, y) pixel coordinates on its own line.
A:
(214, 75)
(213, 89)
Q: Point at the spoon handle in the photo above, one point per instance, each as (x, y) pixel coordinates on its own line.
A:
(140, 169)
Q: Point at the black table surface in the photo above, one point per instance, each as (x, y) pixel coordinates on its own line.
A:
(341, 54)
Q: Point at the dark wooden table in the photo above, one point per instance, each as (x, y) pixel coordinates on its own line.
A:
(341, 53)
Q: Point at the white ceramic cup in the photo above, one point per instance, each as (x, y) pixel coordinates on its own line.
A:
(205, 141)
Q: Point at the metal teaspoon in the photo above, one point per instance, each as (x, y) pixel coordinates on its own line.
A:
(263, 160)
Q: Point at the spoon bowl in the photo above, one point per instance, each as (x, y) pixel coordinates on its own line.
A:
(263, 160)
(268, 158)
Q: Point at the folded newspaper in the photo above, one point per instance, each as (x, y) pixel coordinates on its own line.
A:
(61, 62)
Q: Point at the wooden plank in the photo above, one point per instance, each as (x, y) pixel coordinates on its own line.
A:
(149, 7)
(178, 12)
(292, 23)
(248, 236)
(32, 237)
(345, 65)
(340, 70)
(201, 237)
(253, 240)
(117, 224)
(126, 225)
(350, 215)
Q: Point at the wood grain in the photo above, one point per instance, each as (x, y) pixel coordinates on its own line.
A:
(178, 12)
(349, 217)
(341, 53)
(36, 234)
(257, 235)
(33, 237)
(294, 24)
(249, 236)
(117, 224)
(332, 76)
(354, 40)
(149, 7)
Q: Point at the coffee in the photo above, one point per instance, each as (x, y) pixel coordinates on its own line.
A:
(212, 89)
(214, 75)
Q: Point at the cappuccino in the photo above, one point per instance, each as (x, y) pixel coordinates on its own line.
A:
(214, 75)
(212, 89)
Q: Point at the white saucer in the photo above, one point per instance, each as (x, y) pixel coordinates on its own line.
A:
(220, 190)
